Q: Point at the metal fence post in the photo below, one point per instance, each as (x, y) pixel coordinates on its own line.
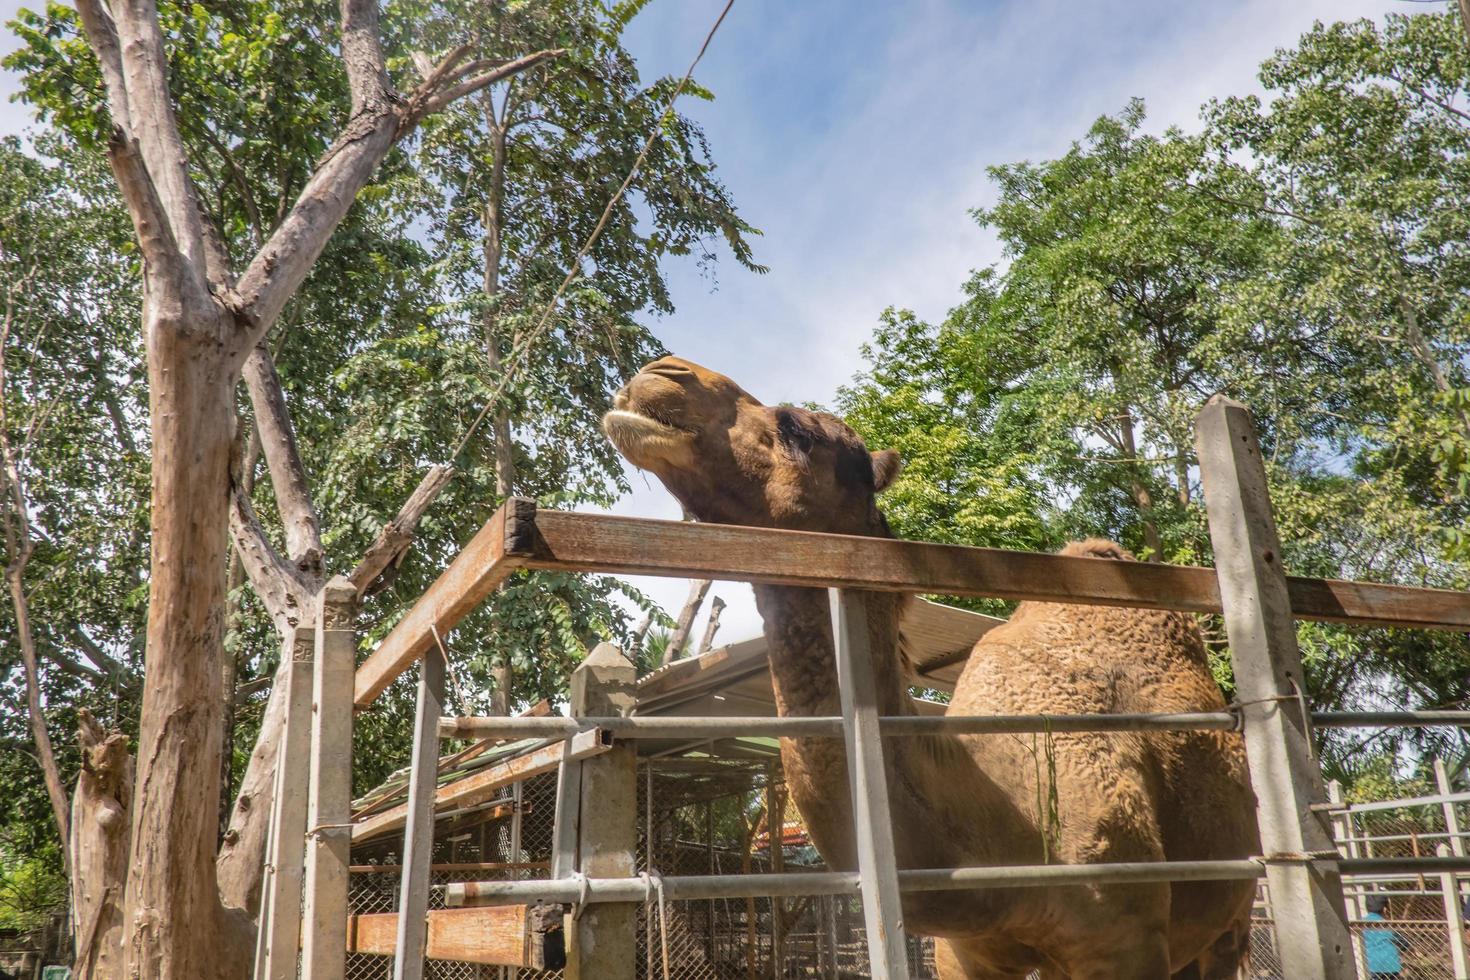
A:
(329, 810)
(1342, 830)
(280, 927)
(602, 939)
(1306, 888)
(872, 818)
(418, 832)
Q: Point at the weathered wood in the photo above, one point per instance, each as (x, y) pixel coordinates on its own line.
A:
(711, 626)
(100, 820)
(495, 936)
(279, 941)
(418, 834)
(473, 575)
(329, 812)
(635, 546)
(698, 588)
(478, 787)
(1307, 898)
(602, 941)
(872, 816)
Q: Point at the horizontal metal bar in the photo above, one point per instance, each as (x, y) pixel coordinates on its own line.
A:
(763, 726)
(657, 726)
(571, 890)
(1434, 800)
(1390, 719)
(687, 887)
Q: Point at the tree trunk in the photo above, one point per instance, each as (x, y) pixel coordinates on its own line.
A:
(235, 578)
(241, 862)
(716, 606)
(1141, 495)
(99, 843)
(45, 754)
(697, 589)
(502, 672)
(177, 929)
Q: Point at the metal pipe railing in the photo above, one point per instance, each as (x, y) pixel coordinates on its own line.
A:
(657, 726)
(578, 889)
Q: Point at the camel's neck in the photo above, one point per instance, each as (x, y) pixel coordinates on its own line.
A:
(798, 629)
(933, 781)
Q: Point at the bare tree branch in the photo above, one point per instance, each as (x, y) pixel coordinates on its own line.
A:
(392, 542)
(362, 56)
(150, 119)
(439, 100)
(283, 587)
(283, 459)
(101, 32)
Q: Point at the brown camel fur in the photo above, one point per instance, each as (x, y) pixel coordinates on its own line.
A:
(973, 800)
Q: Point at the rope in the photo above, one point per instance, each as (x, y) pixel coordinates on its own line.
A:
(1234, 706)
(580, 905)
(521, 347)
(653, 884)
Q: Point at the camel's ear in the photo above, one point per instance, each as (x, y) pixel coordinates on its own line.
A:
(886, 466)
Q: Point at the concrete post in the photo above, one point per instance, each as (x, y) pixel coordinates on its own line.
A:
(602, 941)
(329, 807)
(1306, 888)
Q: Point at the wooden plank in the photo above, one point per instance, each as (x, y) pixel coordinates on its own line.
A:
(418, 832)
(280, 930)
(520, 536)
(635, 546)
(329, 812)
(1306, 898)
(475, 573)
(475, 788)
(495, 936)
(868, 778)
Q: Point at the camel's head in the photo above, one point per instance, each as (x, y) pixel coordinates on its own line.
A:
(731, 460)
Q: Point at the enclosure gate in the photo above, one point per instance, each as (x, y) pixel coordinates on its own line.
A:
(593, 865)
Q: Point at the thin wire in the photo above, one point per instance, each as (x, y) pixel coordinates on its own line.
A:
(520, 348)
(464, 702)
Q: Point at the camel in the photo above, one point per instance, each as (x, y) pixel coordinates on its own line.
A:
(977, 800)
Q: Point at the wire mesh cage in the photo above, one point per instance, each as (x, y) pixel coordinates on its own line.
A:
(701, 813)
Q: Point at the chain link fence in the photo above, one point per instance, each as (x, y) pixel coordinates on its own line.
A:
(704, 814)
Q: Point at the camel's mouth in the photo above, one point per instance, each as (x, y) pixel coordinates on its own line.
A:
(644, 441)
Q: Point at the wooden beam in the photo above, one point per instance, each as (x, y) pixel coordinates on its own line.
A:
(474, 574)
(481, 786)
(636, 546)
(520, 536)
(496, 936)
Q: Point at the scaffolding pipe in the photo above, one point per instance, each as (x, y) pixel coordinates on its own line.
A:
(568, 891)
(646, 726)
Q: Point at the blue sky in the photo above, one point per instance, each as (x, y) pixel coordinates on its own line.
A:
(855, 134)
